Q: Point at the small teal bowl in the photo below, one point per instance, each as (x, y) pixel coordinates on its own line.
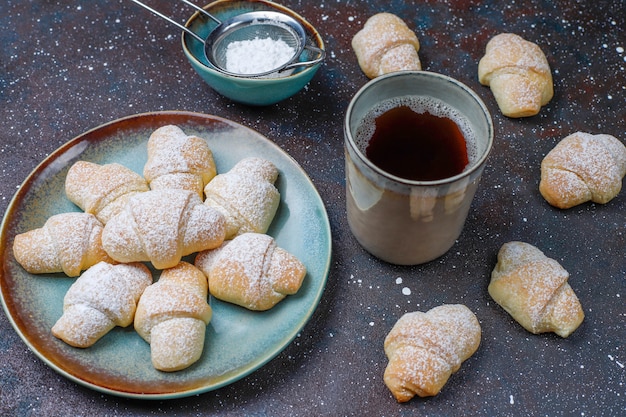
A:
(251, 91)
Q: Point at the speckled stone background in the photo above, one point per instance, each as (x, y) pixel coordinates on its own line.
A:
(67, 66)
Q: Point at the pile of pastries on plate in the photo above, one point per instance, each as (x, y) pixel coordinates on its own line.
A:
(424, 349)
(179, 207)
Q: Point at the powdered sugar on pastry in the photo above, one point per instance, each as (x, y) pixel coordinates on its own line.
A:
(105, 296)
(534, 290)
(172, 316)
(386, 44)
(102, 190)
(177, 160)
(67, 242)
(518, 73)
(162, 226)
(583, 167)
(425, 349)
(251, 271)
(246, 196)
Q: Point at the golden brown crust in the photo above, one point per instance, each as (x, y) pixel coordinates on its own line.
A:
(246, 196)
(251, 271)
(424, 349)
(172, 316)
(518, 73)
(534, 290)
(162, 226)
(177, 160)
(103, 297)
(102, 190)
(67, 242)
(386, 44)
(583, 167)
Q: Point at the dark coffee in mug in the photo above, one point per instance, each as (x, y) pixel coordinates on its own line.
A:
(416, 138)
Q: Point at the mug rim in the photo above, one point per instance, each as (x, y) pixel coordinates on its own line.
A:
(476, 165)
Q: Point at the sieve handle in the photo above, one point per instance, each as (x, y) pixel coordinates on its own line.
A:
(204, 12)
(184, 28)
(321, 55)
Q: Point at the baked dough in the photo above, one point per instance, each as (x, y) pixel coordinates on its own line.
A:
(425, 349)
(251, 271)
(518, 73)
(386, 44)
(583, 167)
(172, 316)
(177, 160)
(162, 226)
(534, 290)
(67, 242)
(102, 190)
(246, 196)
(103, 297)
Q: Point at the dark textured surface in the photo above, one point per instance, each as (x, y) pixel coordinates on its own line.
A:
(66, 67)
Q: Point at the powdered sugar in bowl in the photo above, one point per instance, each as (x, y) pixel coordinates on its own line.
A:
(298, 62)
(253, 56)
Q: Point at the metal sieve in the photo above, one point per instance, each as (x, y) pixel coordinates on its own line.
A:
(248, 26)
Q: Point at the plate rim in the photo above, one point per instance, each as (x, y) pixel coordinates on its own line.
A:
(27, 184)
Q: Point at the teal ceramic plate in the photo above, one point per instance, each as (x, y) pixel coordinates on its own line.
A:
(238, 341)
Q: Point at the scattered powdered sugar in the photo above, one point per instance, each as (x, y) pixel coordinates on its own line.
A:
(612, 358)
(257, 55)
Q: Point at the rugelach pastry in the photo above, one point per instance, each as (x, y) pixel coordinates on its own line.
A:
(583, 167)
(177, 160)
(534, 290)
(67, 242)
(162, 226)
(251, 271)
(103, 297)
(386, 44)
(425, 349)
(172, 317)
(246, 196)
(518, 73)
(102, 190)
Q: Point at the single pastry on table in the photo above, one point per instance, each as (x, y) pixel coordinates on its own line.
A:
(251, 271)
(518, 73)
(178, 160)
(246, 196)
(67, 242)
(425, 349)
(172, 316)
(103, 297)
(102, 190)
(162, 226)
(534, 290)
(583, 167)
(386, 44)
